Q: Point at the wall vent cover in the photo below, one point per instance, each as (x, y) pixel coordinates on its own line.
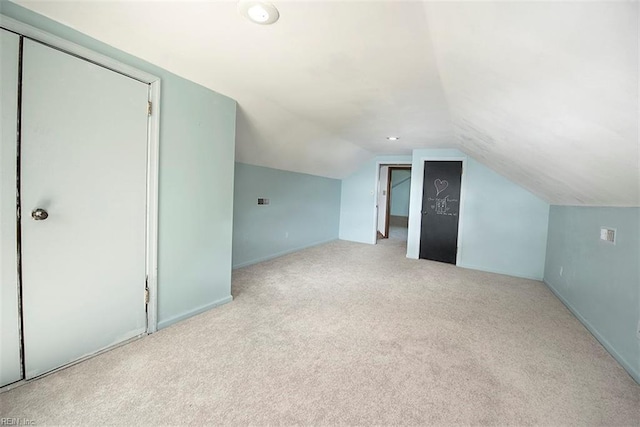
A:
(263, 201)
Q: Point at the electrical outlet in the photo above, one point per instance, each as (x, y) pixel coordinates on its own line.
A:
(561, 271)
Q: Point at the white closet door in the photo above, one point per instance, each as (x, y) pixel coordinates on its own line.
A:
(10, 369)
(84, 145)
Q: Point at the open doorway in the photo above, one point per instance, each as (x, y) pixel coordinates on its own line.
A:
(394, 186)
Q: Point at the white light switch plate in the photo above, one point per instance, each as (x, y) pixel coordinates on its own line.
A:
(608, 234)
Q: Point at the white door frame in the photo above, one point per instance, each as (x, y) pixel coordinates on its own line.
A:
(380, 163)
(383, 199)
(153, 142)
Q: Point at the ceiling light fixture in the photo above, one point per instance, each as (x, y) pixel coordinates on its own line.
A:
(258, 11)
(393, 138)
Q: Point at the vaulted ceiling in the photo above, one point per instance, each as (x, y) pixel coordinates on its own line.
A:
(545, 93)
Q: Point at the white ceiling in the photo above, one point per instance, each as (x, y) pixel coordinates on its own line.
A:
(544, 93)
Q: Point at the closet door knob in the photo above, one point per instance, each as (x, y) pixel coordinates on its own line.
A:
(39, 214)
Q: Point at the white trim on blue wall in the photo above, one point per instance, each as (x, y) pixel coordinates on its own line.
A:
(282, 253)
(379, 163)
(75, 49)
(631, 370)
(190, 313)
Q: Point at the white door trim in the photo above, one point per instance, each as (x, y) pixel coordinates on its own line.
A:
(415, 215)
(153, 141)
(74, 49)
(380, 163)
(153, 159)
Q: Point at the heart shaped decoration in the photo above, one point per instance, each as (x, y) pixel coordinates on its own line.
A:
(441, 185)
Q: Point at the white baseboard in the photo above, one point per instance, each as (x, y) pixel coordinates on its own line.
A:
(170, 321)
(279, 254)
(506, 273)
(630, 369)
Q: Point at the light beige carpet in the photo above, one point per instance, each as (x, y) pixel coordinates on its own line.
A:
(347, 333)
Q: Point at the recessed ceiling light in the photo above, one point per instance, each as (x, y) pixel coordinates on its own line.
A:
(393, 138)
(259, 12)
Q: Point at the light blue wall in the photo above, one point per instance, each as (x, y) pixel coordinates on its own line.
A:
(599, 281)
(197, 139)
(197, 151)
(357, 207)
(303, 211)
(400, 187)
(503, 228)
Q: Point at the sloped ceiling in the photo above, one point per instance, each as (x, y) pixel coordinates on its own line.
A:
(544, 93)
